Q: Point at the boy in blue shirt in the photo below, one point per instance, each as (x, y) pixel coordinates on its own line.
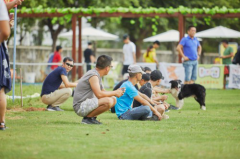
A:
(123, 107)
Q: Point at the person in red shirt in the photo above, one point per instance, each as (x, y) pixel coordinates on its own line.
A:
(57, 57)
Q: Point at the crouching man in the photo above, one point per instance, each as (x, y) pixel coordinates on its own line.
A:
(123, 107)
(90, 99)
(56, 88)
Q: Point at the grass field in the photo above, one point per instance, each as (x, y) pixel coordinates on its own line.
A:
(189, 133)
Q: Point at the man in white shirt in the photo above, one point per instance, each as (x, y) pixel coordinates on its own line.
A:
(129, 53)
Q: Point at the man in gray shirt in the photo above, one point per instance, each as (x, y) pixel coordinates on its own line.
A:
(90, 99)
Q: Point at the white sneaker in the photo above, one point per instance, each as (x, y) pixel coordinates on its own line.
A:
(164, 116)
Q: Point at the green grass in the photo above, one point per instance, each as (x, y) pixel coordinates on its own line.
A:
(189, 133)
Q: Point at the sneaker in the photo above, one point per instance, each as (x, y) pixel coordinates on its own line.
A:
(96, 121)
(173, 107)
(51, 108)
(167, 110)
(153, 118)
(58, 108)
(90, 120)
(164, 116)
(4, 126)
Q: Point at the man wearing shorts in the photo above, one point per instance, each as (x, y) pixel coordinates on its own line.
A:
(190, 49)
(90, 99)
(54, 93)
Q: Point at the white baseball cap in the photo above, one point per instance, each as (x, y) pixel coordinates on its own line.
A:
(135, 69)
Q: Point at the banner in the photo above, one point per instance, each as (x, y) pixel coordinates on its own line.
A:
(152, 66)
(210, 76)
(171, 71)
(234, 76)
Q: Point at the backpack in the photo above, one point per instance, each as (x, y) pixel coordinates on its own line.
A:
(236, 59)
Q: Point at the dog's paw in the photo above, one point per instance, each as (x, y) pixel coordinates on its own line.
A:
(203, 108)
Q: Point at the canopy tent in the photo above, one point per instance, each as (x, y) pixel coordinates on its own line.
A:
(218, 32)
(168, 36)
(90, 33)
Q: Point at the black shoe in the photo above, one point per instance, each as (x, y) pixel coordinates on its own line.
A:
(167, 110)
(96, 121)
(90, 120)
(51, 108)
(4, 126)
(153, 118)
(173, 107)
(58, 108)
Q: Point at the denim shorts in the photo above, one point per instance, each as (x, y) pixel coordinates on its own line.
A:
(190, 70)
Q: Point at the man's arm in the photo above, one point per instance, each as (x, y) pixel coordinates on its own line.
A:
(144, 96)
(92, 58)
(4, 30)
(94, 82)
(66, 83)
(134, 57)
(180, 51)
(10, 5)
(227, 56)
(160, 90)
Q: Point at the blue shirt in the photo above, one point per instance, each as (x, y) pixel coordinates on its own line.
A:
(53, 80)
(190, 47)
(125, 101)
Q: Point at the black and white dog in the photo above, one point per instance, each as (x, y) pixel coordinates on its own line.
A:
(180, 91)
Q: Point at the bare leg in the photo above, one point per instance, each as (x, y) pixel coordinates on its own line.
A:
(104, 104)
(191, 82)
(3, 105)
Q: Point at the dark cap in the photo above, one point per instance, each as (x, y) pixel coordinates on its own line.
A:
(125, 36)
(146, 77)
(156, 75)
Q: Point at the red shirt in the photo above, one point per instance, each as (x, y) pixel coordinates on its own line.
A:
(56, 58)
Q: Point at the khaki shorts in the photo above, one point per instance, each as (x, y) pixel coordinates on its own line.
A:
(87, 106)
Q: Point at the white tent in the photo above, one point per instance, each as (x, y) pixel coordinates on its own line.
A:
(218, 32)
(168, 36)
(90, 33)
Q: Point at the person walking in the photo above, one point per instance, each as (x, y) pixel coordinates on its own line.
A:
(190, 49)
(57, 57)
(129, 53)
(89, 57)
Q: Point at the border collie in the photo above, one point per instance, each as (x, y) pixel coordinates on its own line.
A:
(179, 92)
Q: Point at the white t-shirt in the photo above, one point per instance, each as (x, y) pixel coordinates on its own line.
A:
(3, 11)
(128, 51)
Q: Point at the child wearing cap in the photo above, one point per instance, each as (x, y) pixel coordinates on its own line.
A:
(123, 107)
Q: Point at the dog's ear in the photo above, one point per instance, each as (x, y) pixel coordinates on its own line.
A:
(171, 82)
(180, 81)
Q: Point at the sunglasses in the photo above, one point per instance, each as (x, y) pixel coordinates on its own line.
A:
(69, 64)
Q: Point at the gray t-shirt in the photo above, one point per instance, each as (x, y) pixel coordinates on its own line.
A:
(83, 90)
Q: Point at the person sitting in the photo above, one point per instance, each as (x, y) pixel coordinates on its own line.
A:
(123, 108)
(90, 99)
(147, 89)
(56, 88)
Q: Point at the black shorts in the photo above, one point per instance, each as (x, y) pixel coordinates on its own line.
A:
(5, 74)
(125, 69)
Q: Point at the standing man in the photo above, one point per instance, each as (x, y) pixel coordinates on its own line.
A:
(129, 53)
(123, 107)
(190, 49)
(226, 60)
(57, 56)
(227, 54)
(89, 57)
(56, 88)
(90, 98)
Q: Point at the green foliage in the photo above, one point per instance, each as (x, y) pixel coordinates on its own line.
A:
(139, 10)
